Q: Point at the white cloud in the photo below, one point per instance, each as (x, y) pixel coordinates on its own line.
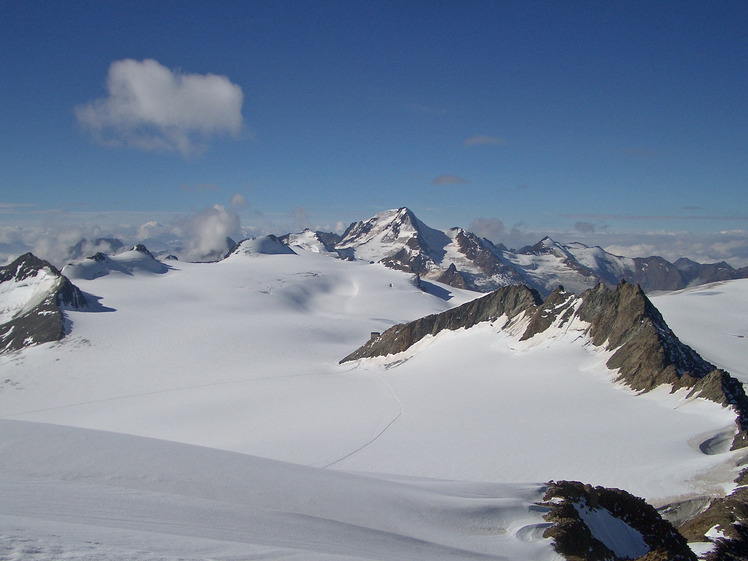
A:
(153, 108)
(205, 232)
(238, 201)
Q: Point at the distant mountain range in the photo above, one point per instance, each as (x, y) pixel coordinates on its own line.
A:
(399, 240)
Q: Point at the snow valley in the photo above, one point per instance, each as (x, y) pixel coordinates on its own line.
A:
(200, 410)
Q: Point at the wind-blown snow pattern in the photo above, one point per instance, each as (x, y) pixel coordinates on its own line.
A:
(204, 415)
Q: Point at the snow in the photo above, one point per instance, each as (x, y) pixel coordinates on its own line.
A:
(202, 413)
(73, 493)
(623, 540)
(549, 270)
(125, 263)
(20, 297)
(263, 245)
(597, 259)
(712, 320)
(307, 241)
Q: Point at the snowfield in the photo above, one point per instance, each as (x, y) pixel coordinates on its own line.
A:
(712, 320)
(201, 413)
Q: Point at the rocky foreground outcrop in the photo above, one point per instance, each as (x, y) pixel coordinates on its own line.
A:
(602, 524)
(32, 294)
(645, 352)
(597, 523)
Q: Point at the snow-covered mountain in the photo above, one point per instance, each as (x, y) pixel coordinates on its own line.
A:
(461, 259)
(401, 241)
(32, 294)
(136, 260)
(206, 414)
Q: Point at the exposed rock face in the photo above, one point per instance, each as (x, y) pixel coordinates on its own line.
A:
(642, 533)
(645, 352)
(396, 238)
(655, 273)
(698, 273)
(452, 277)
(508, 301)
(32, 292)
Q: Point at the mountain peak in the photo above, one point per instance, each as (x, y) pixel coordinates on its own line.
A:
(31, 298)
(140, 248)
(25, 266)
(265, 245)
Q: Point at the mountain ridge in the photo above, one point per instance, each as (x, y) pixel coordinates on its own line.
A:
(645, 352)
(399, 240)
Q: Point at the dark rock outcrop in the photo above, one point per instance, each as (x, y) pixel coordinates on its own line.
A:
(572, 502)
(452, 277)
(40, 320)
(700, 273)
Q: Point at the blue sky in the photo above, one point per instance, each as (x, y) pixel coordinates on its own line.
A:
(623, 124)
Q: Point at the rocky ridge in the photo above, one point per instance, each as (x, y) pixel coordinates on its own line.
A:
(32, 295)
(644, 351)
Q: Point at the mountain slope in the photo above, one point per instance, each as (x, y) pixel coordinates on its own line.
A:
(32, 293)
(239, 359)
(644, 351)
(398, 239)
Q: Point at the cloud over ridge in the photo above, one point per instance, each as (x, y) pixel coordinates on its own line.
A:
(151, 107)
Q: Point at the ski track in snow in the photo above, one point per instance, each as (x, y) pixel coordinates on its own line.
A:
(380, 433)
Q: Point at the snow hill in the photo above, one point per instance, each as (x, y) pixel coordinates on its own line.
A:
(203, 413)
(401, 241)
(136, 260)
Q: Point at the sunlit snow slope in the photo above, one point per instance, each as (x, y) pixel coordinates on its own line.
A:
(236, 360)
(712, 319)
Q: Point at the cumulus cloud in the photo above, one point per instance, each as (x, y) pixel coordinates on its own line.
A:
(206, 232)
(448, 179)
(483, 140)
(151, 107)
